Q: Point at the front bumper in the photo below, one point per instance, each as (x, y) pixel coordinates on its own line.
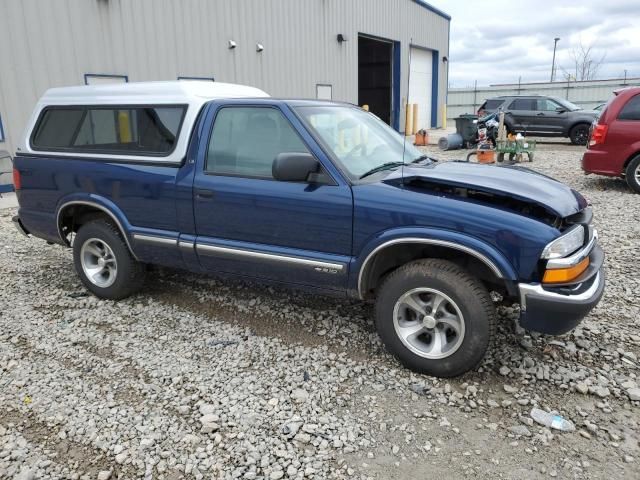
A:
(18, 224)
(559, 309)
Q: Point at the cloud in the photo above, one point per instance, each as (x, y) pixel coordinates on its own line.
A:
(499, 41)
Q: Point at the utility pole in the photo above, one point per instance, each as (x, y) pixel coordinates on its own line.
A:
(553, 63)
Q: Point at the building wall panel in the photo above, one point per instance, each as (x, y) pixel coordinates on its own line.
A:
(56, 42)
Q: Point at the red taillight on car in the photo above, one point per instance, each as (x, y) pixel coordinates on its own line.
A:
(17, 181)
(598, 134)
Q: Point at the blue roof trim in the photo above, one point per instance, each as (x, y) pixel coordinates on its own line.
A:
(433, 9)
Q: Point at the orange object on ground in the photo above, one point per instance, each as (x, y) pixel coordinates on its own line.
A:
(486, 156)
(422, 138)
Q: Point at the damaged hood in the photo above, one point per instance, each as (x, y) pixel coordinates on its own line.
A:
(507, 181)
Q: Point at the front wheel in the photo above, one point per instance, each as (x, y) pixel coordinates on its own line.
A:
(435, 317)
(104, 263)
(632, 174)
(579, 135)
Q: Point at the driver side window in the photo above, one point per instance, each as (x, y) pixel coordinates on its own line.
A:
(245, 141)
(546, 105)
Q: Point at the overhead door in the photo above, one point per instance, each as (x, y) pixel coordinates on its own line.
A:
(420, 90)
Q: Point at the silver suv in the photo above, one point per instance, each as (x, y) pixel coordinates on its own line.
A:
(542, 116)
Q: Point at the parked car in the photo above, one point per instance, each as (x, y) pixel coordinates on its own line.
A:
(614, 143)
(542, 116)
(310, 194)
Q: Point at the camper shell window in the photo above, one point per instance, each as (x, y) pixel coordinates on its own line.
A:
(138, 130)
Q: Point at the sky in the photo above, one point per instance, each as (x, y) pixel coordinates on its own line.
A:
(498, 41)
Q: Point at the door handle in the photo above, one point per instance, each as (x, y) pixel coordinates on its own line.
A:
(204, 193)
(540, 114)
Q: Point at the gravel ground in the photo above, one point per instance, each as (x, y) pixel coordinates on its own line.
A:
(194, 378)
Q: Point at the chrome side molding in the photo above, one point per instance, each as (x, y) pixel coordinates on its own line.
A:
(152, 239)
(215, 250)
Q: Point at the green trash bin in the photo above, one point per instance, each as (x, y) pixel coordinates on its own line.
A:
(466, 128)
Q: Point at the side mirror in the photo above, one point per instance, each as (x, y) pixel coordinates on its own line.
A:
(560, 110)
(294, 167)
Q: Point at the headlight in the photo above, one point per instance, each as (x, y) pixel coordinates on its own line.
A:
(566, 244)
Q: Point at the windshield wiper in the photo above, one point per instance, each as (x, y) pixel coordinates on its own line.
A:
(380, 168)
(423, 157)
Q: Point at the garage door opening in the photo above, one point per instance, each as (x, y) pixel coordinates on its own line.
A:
(375, 76)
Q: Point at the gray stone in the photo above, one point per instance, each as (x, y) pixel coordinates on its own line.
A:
(582, 388)
(634, 394)
(299, 395)
(520, 430)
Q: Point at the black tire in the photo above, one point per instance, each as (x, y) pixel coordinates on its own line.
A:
(465, 291)
(632, 174)
(579, 134)
(128, 276)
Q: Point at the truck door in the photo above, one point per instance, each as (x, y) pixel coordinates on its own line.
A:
(247, 222)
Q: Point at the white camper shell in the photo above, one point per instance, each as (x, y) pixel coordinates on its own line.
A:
(190, 94)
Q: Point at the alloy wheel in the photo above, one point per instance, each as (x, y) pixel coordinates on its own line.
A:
(98, 262)
(429, 323)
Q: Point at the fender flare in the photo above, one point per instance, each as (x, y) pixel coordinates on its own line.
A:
(101, 203)
(487, 254)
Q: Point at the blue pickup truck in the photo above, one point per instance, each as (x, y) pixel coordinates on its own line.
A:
(316, 195)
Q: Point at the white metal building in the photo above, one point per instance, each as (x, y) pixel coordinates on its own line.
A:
(351, 50)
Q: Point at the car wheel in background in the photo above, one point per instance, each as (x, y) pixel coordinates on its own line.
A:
(435, 317)
(579, 134)
(104, 263)
(632, 174)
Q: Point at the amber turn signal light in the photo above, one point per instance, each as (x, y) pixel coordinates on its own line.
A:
(563, 275)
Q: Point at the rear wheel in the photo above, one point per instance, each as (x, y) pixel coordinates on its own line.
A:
(104, 263)
(435, 317)
(579, 135)
(632, 174)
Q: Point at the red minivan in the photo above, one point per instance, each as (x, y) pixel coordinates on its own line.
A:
(614, 143)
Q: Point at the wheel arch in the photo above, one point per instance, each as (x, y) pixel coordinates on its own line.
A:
(628, 160)
(395, 252)
(72, 213)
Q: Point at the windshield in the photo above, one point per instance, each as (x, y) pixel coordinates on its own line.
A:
(359, 140)
(567, 104)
